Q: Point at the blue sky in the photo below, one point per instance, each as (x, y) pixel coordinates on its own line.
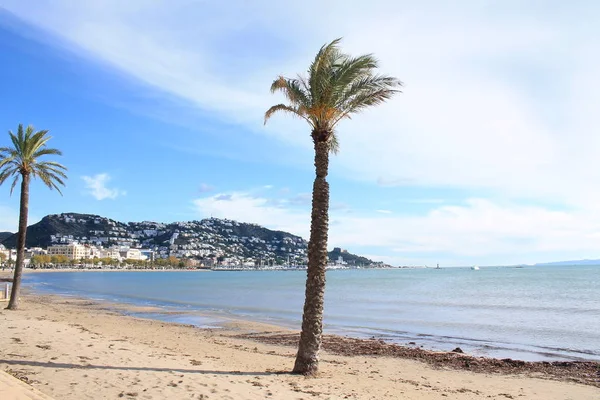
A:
(488, 157)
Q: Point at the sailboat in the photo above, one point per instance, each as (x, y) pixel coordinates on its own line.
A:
(475, 268)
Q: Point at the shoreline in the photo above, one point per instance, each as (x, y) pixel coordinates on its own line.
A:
(70, 340)
(433, 340)
(53, 270)
(580, 371)
(173, 269)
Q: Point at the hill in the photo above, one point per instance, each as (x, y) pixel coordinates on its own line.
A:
(211, 237)
(349, 258)
(5, 235)
(60, 228)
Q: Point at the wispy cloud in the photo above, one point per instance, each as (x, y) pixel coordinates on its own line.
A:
(301, 199)
(96, 186)
(223, 197)
(477, 122)
(386, 181)
(480, 229)
(245, 207)
(384, 211)
(205, 188)
(502, 103)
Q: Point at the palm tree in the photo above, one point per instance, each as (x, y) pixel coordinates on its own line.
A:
(23, 160)
(337, 86)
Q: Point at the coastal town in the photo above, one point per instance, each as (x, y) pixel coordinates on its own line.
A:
(72, 240)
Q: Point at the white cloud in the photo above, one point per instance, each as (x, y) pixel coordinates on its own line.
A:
(495, 97)
(96, 186)
(478, 230)
(384, 211)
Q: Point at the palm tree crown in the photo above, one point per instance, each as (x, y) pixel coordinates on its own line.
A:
(337, 86)
(23, 159)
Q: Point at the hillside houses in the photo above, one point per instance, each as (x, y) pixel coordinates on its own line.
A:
(211, 242)
(220, 240)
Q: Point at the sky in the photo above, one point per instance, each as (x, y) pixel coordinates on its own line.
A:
(488, 157)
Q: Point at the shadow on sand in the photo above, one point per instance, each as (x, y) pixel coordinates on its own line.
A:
(50, 364)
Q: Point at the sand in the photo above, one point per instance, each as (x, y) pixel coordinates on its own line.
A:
(77, 349)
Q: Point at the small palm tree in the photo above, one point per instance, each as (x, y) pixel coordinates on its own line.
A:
(337, 86)
(22, 160)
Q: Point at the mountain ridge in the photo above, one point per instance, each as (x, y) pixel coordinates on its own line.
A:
(209, 237)
(5, 235)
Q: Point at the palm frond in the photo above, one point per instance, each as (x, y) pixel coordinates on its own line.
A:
(279, 84)
(51, 180)
(350, 70)
(5, 174)
(321, 56)
(29, 143)
(35, 146)
(367, 92)
(14, 183)
(298, 112)
(16, 138)
(51, 166)
(334, 144)
(293, 91)
(24, 158)
(320, 70)
(46, 152)
(7, 160)
(39, 169)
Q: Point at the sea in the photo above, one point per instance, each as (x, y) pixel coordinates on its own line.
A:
(532, 313)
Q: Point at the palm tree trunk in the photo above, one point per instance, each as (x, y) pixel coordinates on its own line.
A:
(13, 304)
(307, 359)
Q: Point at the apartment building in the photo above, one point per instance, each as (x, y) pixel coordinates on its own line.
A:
(132, 254)
(73, 251)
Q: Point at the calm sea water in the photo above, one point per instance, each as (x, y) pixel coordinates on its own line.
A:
(533, 313)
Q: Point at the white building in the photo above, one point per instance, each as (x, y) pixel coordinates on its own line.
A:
(110, 253)
(132, 254)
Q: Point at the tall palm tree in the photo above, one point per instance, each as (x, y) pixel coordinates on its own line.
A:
(22, 160)
(337, 86)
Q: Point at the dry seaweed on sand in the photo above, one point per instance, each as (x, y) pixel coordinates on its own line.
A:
(584, 372)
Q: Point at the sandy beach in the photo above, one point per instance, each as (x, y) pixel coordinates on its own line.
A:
(76, 349)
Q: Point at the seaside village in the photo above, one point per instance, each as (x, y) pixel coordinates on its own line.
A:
(209, 244)
(74, 253)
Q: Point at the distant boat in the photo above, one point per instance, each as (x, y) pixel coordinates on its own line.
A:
(475, 268)
(438, 267)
